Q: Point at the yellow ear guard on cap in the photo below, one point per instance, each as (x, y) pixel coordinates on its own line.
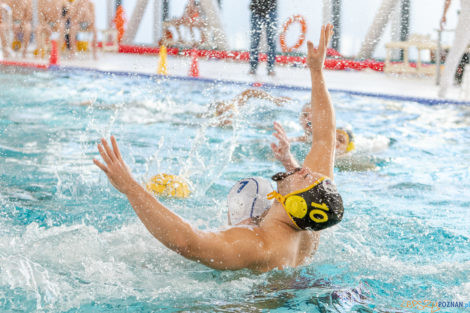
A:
(316, 207)
(350, 137)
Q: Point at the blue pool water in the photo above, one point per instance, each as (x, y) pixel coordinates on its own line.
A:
(69, 242)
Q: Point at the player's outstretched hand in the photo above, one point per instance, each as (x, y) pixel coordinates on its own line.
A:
(115, 168)
(316, 56)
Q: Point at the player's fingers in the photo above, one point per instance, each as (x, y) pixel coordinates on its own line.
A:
(116, 148)
(103, 154)
(279, 128)
(110, 153)
(310, 48)
(275, 148)
(276, 125)
(100, 165)
(321, 43)
(330, 33)
(279, 137)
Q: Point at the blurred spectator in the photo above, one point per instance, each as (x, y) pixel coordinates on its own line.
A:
(22, 16)
(82, 19)
(192, 18)
(50, 19)
(263, 12)
(5, 27)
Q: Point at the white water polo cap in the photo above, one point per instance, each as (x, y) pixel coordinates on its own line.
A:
(248, 199)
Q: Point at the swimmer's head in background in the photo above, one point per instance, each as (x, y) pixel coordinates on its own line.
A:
(248, 199)
(315, 207)
(345, 140)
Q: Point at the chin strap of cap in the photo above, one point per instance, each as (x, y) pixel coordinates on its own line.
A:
(276, 195)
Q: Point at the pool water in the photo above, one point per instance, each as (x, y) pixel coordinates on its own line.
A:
(69, 242)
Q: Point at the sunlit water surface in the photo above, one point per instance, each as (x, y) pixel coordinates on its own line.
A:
(69, 242)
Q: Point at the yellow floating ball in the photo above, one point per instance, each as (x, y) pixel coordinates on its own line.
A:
(169, 186)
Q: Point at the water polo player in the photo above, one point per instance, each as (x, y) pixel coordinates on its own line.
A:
(224, 110)
(306, 200)
(344, 137)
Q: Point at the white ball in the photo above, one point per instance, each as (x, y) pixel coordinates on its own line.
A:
(248, 199)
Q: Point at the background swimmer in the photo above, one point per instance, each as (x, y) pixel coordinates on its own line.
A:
(282, 150)
(351, 154)
(344, 138)
(225, 110)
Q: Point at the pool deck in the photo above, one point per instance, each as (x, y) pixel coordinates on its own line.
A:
(365, 81)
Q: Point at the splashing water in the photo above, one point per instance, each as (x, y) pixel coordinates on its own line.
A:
(69, 242)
